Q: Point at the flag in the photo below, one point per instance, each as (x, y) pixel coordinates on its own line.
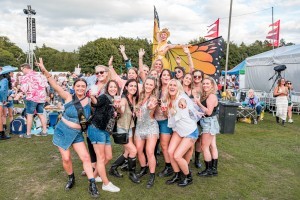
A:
(273, 34)
(214, 31)
(155, 30)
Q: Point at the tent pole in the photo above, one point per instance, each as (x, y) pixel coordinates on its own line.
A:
(228, 41)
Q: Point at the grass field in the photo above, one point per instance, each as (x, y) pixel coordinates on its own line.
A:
(256, 162)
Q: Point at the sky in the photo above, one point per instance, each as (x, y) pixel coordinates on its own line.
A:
(69, 24)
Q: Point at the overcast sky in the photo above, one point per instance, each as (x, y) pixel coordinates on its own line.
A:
(68, 24)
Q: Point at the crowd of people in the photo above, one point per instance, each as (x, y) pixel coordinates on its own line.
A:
(153, 105)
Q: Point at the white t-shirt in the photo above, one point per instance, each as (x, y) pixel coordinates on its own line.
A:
(181, 121)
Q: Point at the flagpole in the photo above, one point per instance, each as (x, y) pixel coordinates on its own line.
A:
(272, 28)
(228, 41)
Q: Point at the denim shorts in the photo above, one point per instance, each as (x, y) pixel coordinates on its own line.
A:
(123, 130)
(98, 136)
(194, 135)
(210, 125)
(163, 127)
(32, 106)
(9, 104)
(64, 136)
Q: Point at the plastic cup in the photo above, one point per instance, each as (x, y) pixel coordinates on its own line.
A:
(94, 89)
(163, 106)
(117, 99)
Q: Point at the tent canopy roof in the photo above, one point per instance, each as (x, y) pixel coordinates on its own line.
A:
(236, 69)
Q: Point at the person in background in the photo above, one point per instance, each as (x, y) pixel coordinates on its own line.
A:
(252, 101)
(281, 93)
(68, 131)
(290, 88)
(34, 86)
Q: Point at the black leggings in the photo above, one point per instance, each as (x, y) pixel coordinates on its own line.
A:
(91, 150)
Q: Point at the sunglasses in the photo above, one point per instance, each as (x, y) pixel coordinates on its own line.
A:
(197, 76)
(177, 71)
(100, 72)
(289, 83)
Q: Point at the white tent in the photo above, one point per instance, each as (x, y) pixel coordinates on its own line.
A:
(260, 68)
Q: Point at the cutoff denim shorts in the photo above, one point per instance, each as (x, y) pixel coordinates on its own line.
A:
(210, 125)
(32, 106)
(194, 135)
(98, 136)
(163, 127)
(64, 136)
(9, 104)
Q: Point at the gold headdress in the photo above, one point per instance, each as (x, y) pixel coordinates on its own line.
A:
(165, 30)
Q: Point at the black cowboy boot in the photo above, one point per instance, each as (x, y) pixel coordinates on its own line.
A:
(208, 171)
(3, 136)
(167, 171)
(93, 189)
(143, 172)
(197, 161)
(277, 119)
(113, 171)
(131, 167)
(71, 182)
(185, 181)
(214, 167)
(151, 180)
(174, 179)
(283, 122)
(124, 166)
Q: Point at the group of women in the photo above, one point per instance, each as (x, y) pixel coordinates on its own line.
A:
(153, 106)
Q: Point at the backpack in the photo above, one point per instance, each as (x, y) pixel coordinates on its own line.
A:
(18, 125)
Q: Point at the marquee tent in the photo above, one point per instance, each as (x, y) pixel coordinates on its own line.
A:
(260, 68)
(237, 69)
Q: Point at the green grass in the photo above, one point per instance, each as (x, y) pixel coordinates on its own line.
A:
(256, 162)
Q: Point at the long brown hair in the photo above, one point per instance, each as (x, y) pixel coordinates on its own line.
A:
(143, 93)
(213, 90)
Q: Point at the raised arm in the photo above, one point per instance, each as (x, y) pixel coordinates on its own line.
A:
(113, 73)
(126, 59)
(63, 94)
(141, 65)
(190, 60)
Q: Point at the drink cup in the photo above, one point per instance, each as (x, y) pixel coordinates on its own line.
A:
(117, 99)
(163, 106)
(94, 90)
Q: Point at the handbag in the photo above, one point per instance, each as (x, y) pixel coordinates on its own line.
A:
(82, 119)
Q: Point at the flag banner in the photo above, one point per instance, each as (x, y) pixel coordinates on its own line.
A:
(214, 31)
(156, 28)
(273, 34)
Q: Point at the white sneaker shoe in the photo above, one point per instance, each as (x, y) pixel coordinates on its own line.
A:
(98, 179)
(290, 121)
(110, 187)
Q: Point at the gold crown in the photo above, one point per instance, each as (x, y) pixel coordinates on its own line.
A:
(165, 30)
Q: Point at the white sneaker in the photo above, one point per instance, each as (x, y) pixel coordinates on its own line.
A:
(110, 187)
(290, 121)
(98, 179)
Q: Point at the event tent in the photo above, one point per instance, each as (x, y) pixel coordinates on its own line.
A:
(260, 68)
(237, 69)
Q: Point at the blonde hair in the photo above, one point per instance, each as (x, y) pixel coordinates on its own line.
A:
(179, 92)
(154, 93)
(106, 69)
(213, 89)
(162, 64)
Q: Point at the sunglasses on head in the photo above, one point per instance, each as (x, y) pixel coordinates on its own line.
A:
(100, 72)
(197, 76)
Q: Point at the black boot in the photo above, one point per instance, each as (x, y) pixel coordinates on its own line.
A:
(143, 172)
(214, 167)
(185, 180)
(131, 167)
(197, 161)
(283, 122)
(113, 171)
(208, 171)
(124, 166)
(167, 171)
(277, 119)
(71, 182)
(151, 180)
(4, 127)
(3, 136)
(93, 189)
(174, 179)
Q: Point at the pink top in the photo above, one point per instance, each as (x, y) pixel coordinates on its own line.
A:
(34, 86)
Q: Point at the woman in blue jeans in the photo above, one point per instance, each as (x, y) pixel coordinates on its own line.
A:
(68, 131)
(185, 133)
(97, 131)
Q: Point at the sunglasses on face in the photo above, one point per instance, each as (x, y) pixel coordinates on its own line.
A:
(197, 76)
(177, 71)
(289, 83)
(100, 72)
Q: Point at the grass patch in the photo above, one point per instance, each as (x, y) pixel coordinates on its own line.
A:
(256, 162)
